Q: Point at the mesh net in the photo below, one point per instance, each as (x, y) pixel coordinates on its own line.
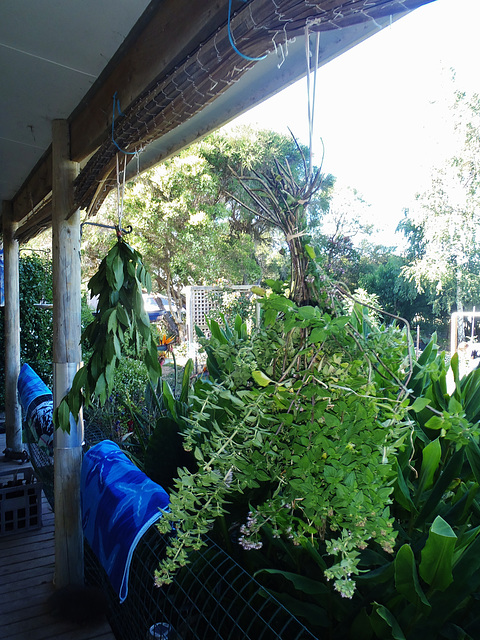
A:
(41, 462)
(212, 597)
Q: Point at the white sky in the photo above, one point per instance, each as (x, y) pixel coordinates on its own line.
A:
(382, 108)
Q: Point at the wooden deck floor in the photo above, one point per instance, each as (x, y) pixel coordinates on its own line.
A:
(26, 582)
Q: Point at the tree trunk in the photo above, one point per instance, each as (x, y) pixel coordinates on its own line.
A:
(301, 291)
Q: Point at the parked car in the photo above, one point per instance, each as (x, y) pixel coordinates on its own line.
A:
(153, 308)
(150, 304)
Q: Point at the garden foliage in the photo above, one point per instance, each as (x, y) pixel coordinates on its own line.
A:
(303, 420)
(35, 284)
(331, 464)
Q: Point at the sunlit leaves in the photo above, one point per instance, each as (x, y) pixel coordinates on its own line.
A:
(292, 407)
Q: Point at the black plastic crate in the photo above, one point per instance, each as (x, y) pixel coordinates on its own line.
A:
(20, 501)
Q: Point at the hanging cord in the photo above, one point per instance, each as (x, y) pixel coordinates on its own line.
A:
(116, 103)
(120, 191)
(230, 37)
(311, 93)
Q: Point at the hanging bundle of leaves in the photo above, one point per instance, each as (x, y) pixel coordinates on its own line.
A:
(120, 319)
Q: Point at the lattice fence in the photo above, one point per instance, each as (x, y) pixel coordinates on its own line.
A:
(199, 303)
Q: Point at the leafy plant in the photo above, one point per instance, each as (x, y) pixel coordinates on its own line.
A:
(155, 424)
(429, 589)
(121, 319)
(228, 303)
(35, 284)
(292, 427)
(281, 199)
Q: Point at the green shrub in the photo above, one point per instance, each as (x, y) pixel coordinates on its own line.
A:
(36, 330)
(298, 429)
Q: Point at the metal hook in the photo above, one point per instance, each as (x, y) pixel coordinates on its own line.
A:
(122, 231)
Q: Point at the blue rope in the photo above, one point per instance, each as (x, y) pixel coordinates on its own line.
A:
(116, 103)
(231, 39)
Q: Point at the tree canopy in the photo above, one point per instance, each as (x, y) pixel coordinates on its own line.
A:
(443, 229)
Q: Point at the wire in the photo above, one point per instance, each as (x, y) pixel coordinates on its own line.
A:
(311, 93)
(231, 38)
(116, 103)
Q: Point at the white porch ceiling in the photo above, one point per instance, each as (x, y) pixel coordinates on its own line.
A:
(51, 53)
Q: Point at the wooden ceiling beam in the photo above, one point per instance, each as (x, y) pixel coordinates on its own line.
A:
(165, 34)
(173, 31)
(35, 189)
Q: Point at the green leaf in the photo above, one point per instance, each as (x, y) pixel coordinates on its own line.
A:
(112, 254)
(280, 303)
(62, 414)
(169, 399)
(381, 575)
(101, 386)
(187, 373)
(435, 423)
(238, 324)
(313, 613)
(300, 582)
(382, 615)
(261, 379)
(117, 346)
(317, 335)
(403, 494)
(419, 404)
(437, 555)
(465, 540)
(454, 632)
(430, 460)
(454, 406)
(455, 366)
(270, 316)
(406, 577)
(122, 316)
(449, 474)
(472, 451)
(310, 251)
(117, 268)
(275, 285)
(361, 628)
(79, 380)
(307, 313)
(217, 332)
(112, 321)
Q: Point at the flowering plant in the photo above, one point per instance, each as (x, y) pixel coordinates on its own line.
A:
(299, 434)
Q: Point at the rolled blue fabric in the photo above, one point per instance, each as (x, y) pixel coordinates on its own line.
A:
(37, 403)
(119, 504)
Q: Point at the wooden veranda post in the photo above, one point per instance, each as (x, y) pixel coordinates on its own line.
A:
(66, 358)
(13, 419)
